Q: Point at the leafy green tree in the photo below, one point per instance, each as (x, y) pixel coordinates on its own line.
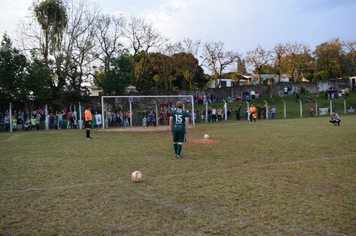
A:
(164, 65)
(52, 17)
(12, 71)
(20, 79)
(118, 76)
(187, 66)
(328, 55)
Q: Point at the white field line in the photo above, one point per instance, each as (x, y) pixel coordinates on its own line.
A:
(255, 166)
(181, 207)
(176, 175)
(274, 124)
(12, 137)
(168, 203)
(34, 133)
(189, 210)
(244, 122)
(292, 229)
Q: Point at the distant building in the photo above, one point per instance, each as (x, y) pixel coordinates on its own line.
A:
(223, 83)
(249, 79)
(94, 91)
(254, 78)
(351, 83)
(131, 89)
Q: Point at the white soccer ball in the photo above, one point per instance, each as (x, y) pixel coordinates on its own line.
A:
(206, 136)
(136, 176)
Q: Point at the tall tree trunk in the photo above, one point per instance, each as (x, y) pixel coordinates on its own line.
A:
(270, 90)
(27, 108)
(296, 76)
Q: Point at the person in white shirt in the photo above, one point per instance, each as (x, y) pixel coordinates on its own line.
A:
(213, 113)
(252, 93)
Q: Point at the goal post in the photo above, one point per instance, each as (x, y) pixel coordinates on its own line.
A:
(105, 111)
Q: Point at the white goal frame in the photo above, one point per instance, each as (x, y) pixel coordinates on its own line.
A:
(145, 96)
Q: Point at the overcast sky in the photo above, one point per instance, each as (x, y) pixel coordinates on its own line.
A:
(240, 24)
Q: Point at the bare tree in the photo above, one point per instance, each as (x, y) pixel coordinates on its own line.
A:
(239, 70)
(168, 49)
(298, 52)
(110, 32)
(142, 37)
(217, 60)
(188, 46)
(259, 58)
(70, 54)
(279, 50)
(79, 42)
(350, 46)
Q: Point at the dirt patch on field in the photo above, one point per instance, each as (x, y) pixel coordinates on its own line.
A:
(197, 140)
(139, 129)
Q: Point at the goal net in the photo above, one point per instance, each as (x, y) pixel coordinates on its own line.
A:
(124, 111)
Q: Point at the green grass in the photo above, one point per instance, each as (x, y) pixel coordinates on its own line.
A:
(275, 177)
(292, 107)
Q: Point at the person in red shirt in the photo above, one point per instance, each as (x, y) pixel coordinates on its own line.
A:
(200, 99)
(257, 94)
(237, 97)
(88, 119)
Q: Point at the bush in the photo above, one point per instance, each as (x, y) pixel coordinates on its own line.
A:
(302, 90)
(309, 77)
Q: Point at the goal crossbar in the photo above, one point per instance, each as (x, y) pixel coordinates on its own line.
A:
(147, 96)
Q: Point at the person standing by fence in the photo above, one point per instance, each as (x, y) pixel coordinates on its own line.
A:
(88, 119)
(7, 122)
(252, 113)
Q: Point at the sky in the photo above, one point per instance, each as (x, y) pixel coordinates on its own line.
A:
(240, 24)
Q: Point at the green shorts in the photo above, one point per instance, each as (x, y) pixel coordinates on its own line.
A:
(178, 136)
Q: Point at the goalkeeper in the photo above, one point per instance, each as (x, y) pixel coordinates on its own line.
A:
(151, 117)
(179, 122)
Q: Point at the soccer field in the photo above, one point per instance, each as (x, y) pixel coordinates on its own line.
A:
(275, 177)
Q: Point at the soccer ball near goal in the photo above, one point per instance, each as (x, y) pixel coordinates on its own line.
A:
(206, 136)
(136, 176)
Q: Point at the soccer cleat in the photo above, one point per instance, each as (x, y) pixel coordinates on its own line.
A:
(179, 156)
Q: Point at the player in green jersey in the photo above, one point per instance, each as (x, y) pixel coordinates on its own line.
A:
(179, 122)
